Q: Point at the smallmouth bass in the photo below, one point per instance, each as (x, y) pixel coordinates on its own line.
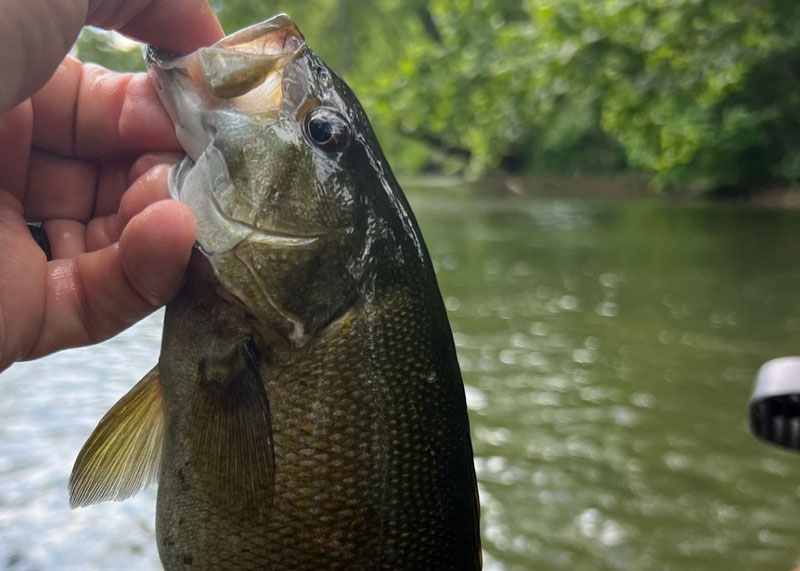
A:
(307, 410)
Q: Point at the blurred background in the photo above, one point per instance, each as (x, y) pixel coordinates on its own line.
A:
(566, 161)
(698, 96)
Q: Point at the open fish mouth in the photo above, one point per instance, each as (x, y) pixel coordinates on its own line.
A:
(278, 35)
(239, 63)
(242, 73)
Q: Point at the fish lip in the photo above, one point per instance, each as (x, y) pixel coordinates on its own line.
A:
(194, 92)
(278, 22)
(260, 235)
(155, 56)
(243, 231)
(191, 86)
(165, 59)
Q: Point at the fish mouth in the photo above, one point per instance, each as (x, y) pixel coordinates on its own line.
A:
(237, 63)
(278, 35)
(242, 72)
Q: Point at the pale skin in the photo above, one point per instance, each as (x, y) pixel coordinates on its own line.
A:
(85, 151)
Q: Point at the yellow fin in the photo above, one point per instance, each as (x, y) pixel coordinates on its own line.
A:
(123, 453)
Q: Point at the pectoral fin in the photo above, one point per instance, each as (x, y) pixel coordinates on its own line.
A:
(123, 453)
(231, 419)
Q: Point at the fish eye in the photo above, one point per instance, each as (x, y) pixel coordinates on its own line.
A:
(326, 129)
(320, 130)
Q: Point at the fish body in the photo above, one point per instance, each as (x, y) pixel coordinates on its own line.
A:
(307, 410)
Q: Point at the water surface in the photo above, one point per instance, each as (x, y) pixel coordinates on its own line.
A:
(608, 348)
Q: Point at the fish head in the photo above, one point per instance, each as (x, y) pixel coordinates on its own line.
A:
(282, 171)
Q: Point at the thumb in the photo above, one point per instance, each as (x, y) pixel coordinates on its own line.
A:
(35, 35)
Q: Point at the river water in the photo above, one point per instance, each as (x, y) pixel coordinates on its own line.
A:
(608, 348)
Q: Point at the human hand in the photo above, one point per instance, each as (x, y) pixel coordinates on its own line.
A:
(76, 155)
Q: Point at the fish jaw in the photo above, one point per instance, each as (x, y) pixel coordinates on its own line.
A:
(241, 74)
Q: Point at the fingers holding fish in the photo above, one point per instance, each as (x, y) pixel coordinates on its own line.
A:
(93, 296)
(60, 188)
(149, 160)
(95, 286)
(155, 247)
(15, 141)
(88, 111)
(86, 197)
(67, 238)
(20, 302)
(70, 136)
(148, 188)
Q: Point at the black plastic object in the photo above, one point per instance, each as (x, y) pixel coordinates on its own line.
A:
(775, 404)
(40, 236)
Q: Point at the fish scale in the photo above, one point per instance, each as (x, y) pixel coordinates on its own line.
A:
(311, 492)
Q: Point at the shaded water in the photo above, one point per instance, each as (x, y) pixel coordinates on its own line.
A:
(609, 350)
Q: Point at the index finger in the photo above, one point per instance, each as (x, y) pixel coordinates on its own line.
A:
(35, 36)
(87, 111)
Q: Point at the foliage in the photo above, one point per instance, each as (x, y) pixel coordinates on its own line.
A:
(109, 49)
(699, 93)
(694, 90)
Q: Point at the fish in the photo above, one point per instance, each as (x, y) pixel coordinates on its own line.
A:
(307, 410)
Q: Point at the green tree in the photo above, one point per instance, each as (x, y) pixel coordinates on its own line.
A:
(700, 94)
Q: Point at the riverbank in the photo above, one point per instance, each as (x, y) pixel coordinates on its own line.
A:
(622, 186)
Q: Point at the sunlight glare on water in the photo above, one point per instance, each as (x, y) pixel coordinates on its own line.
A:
(50, 407)
(609, 350)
